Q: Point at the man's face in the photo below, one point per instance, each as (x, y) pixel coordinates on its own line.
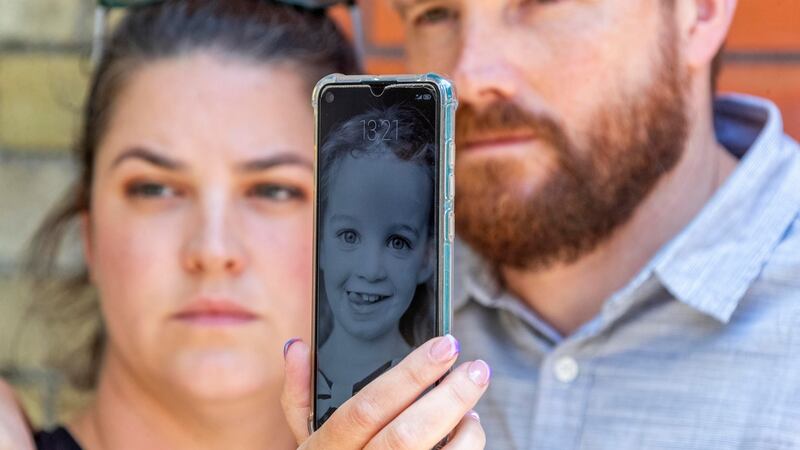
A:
(570, 112)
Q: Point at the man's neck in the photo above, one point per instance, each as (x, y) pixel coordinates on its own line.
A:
(126, 415)
(569, 295)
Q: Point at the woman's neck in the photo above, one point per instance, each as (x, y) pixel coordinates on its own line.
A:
(126, 414)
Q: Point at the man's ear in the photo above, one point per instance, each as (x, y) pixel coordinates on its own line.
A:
(428, 266)
(86, 242)
(704, 25)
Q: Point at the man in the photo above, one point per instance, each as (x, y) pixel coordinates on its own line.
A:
(631, 267)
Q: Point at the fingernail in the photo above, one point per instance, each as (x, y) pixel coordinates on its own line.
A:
(445, 349)
(287, 345)
(474, 415)
(479, 372)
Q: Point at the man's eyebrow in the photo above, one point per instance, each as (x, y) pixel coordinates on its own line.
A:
(150, 157)
(280, 159)
(402, 6)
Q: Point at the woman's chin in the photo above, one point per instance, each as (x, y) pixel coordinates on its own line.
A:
(224, 374)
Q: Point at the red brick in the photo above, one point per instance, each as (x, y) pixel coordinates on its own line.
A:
(386, 27)
(766, 25)
(779, 83)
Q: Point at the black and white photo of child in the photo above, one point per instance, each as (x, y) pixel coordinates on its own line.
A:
(376, 248)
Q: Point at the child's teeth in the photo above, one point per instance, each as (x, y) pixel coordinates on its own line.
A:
(370, 298)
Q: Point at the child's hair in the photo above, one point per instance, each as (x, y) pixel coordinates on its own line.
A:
(257, 31)
(415, 143)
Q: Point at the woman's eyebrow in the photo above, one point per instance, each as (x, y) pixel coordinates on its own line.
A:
(150, 157)
(280, 159)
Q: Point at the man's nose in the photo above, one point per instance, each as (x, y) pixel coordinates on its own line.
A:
(483, 73)
(214, 244)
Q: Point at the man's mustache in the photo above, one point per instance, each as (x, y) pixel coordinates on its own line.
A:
(504, 118)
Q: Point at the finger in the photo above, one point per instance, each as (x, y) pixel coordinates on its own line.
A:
(468, 435)
(378, 403)
(296, 396)
(433, 416)
(15, 429)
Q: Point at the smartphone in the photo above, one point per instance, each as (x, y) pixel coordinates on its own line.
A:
(383, 227)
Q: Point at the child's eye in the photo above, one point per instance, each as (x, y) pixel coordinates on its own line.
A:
(150, 190)
(276, 192)
(349, 237)
(399, 243)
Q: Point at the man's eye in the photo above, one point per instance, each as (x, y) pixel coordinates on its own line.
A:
(435, 16)
(399, 243)
(275, 192)
(148, 189)
(348, 237)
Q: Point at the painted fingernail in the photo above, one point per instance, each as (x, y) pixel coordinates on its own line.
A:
(445, 348)
(479, 372)
(474, 415)
(287, 345)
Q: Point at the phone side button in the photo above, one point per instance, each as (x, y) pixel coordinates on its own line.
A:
(451, 226)
(451, 186)
(451, 153)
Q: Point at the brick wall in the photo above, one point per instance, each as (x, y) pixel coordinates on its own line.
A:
(43, 76)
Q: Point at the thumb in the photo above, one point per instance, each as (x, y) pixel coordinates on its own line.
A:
(296, 397)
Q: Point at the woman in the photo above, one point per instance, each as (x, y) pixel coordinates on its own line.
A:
(194, 204)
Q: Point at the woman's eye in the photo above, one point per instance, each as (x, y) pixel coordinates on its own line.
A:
(276, 192)
(148, 189)
(348, 237)
(434, 16)
(399, 243)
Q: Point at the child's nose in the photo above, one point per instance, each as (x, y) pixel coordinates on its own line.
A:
(371, 267)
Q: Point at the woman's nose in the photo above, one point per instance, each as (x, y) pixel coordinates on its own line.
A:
(214, 244)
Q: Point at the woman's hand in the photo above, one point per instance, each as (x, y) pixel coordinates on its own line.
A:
(389, 412)
(15, 431)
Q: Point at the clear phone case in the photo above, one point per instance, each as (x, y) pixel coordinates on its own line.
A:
(447, 108)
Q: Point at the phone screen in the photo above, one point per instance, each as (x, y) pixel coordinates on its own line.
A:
(377, 233)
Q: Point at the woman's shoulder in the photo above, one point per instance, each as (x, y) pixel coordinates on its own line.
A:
(56, 439)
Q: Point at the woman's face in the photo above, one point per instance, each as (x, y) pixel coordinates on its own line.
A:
(375, 249)
(199, 234)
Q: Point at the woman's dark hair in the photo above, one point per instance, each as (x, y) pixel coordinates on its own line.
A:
(414, 143)
(258, 31)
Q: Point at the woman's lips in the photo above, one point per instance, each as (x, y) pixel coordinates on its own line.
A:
(215, 312)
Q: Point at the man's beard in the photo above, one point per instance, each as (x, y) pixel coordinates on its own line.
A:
(593, 189)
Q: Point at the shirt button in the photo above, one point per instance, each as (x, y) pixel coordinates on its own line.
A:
(566, 369)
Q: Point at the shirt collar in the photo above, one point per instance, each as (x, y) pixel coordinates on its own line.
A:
(709, 265)
(712, 263)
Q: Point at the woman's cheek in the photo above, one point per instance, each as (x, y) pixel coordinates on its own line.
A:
(283, 258)
(135, 269)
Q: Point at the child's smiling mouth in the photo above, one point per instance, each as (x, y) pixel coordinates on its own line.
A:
(365, 298)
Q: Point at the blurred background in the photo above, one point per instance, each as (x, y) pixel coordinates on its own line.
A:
(44, 48)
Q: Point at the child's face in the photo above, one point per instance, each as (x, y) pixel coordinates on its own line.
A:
(375, 248)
